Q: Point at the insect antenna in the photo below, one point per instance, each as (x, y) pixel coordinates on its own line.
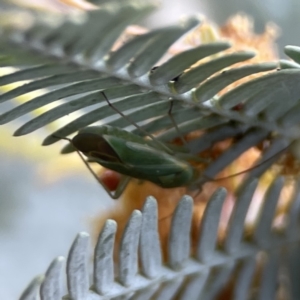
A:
(208, 179)
(251, 168)
(123, 183)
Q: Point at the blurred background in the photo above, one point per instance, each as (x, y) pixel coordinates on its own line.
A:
(45, 199)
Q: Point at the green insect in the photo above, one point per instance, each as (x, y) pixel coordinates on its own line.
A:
(134, 156)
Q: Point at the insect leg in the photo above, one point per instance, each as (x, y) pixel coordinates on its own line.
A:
(160, 144)
(188, 155)
(122, 185)
(175, 125)
(270, 160)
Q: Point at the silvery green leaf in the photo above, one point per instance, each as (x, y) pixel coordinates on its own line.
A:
(196, 75)
(177, 64)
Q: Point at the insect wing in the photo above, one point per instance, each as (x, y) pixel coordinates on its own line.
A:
(133, 157)
(158, 174)
(113, 132)
(108, 131)
(144, 162)
(153, 161)
(138, 156)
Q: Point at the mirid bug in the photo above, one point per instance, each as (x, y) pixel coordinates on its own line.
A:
(132, 156)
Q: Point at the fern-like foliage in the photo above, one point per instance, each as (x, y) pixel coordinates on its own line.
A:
(201, 273)
(76, 62)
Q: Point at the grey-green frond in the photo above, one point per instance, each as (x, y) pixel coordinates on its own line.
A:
(78, 61)
(201, 271)
(74, 63)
